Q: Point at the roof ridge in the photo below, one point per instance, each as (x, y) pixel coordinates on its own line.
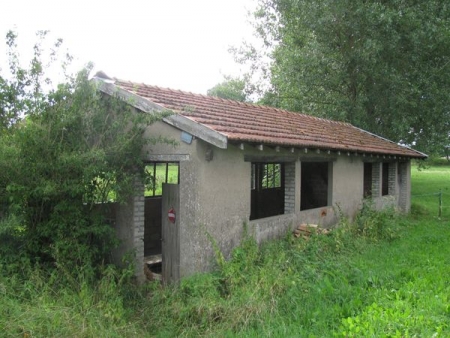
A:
(194, 94)
(160, 88)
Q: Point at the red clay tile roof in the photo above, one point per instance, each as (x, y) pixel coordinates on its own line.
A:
(244, 122)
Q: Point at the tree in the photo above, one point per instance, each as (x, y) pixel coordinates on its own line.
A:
(380, 65)
(63, 150)
(231, 88)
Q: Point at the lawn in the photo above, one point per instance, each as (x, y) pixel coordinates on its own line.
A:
(386, 276)
(427, 184)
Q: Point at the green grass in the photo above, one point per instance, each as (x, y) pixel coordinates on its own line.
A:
(426, 186)
(385, 276)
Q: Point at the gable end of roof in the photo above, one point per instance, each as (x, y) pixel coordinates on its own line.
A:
(179, 121)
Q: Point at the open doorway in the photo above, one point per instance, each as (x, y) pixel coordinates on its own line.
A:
(157, 173)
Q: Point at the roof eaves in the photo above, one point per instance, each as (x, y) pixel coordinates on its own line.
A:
(419, 154)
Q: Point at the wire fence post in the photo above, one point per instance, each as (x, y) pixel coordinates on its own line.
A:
(440, 202)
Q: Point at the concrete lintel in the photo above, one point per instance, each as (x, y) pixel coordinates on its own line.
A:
(317, 158)
(166, 158)
(376, 159)
(270, 158)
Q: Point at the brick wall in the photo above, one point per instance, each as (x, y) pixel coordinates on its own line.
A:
(289, 188)
(376, 180)
(392, 178)
(138, 228)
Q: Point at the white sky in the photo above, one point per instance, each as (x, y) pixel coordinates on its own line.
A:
(180, 44)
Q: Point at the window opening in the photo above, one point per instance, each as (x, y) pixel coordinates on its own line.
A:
(314, 185)
(253, 177)
(158, 173)
(367, 180)
(385, 179)
(267, 190)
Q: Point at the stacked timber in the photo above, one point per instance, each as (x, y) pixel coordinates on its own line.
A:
(306, 230)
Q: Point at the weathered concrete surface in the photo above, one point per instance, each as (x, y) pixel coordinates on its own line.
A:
(215, 190)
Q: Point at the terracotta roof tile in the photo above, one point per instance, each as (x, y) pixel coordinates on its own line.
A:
(245, 122)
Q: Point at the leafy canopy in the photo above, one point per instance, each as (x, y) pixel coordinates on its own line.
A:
(231, 88)
(63, 151)
(380, 65)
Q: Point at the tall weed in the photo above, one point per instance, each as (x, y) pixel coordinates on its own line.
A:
(377, 225)
(43, 303)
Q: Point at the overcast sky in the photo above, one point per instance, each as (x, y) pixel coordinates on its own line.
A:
(180, 44)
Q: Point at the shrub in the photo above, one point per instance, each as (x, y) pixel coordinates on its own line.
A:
(62, 151)
(377, 224)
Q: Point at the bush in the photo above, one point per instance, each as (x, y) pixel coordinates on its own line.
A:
(377, 224)
(62, 151)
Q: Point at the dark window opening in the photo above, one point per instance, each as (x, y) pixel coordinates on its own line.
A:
(267, 190)
(367, 180)
(158, 173)
(314, 185)
(385, 179)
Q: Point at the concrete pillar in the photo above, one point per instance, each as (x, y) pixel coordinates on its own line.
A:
(404, 184)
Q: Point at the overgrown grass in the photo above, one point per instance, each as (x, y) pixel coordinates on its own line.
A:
(383, 276)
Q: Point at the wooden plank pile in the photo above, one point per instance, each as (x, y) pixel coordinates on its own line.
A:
(306, 230)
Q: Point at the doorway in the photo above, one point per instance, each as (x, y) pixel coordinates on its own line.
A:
(157, 175)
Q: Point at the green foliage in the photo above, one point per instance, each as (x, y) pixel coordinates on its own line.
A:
(231, 89)
(155, 176)
(377, 225)
(376, 321)
(62, 151)
(79, 303)
(379, 65)
(429, 183)
(242, 265)
(285, 288)
(435, 161)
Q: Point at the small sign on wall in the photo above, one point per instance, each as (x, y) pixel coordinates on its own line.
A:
(171, 215)
(186, 137)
